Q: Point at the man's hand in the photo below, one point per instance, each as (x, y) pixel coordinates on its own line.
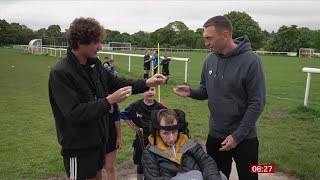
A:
(156, 80)
(182, 90)
(119, 143)
(120, 95)
(228, 143)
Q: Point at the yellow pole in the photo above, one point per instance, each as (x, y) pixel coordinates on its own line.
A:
(159, 71)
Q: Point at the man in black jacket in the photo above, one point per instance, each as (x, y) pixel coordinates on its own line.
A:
(79, 89)
(172, 155)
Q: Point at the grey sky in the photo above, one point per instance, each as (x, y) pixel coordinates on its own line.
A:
(132, 16)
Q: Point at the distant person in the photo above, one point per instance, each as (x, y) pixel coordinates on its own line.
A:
(146, 64)
(114, 142)
(81, 93)
(111, 67)
(155, 62)
(106, 62)
(171, 154)
(165, 67)
(232, 80)
(138, 116)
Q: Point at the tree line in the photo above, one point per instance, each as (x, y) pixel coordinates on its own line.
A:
(177, 35)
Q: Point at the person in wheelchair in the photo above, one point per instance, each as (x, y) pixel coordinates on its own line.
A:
(138, 116)
(171, 154)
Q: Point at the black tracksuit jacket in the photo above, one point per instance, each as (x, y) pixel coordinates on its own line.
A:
(77, 97)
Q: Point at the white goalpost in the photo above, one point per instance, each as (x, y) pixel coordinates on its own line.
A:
(306, 52)
(118, 46)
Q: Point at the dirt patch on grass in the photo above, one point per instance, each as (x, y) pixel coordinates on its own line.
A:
(278, 114)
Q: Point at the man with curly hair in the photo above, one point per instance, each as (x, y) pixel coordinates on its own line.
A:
(81, 94)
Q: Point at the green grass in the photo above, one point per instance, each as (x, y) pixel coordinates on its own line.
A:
(288, 132)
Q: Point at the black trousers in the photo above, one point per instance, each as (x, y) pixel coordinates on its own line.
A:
(245, 154)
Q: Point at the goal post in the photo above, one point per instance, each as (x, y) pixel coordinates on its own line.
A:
(119, 45)
(306, 52)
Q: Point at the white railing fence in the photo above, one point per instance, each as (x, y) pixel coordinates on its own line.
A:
(60, 51)
(309, 71)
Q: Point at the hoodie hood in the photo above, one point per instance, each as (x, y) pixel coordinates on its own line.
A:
(244, 45)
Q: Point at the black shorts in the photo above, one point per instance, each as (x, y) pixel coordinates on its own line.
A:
(85, 164)
(146, 66)
(111, 145)
(165, 72)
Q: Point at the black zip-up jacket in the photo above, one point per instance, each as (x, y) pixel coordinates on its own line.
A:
(77, 97)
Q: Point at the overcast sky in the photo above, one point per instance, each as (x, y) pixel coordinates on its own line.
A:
(149, 15)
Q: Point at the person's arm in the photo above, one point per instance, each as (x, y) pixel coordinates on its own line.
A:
(118, 129)
(114, 83)
(201, 92)
(64, 94)
(151, 170)
(207, 165)
(256, 90)
(147, 60)
(133, 126)
(128, 114)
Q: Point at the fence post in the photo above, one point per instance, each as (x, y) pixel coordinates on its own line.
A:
(186, 71)
(306, 95)
(129, 64)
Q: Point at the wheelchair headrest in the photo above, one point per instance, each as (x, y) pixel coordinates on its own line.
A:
(181, 126)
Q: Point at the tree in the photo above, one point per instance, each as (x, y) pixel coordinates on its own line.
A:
(124, 37)
(141, 39)
(4, 32)
(54, 31)
(243, 24)
(178, 26)
(305, 39)
(27, 35)
(41, 32)
(163, 35)
(199, 39)
(285, 40)
(110, 35)
(54, 36)
(15, 33)
(186, 39)
(317, 40)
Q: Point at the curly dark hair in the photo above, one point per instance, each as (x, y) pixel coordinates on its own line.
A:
(85, 31)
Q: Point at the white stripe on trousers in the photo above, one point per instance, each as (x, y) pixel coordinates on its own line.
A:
(73, 168)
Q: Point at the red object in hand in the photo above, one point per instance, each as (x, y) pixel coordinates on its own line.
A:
(261, 168)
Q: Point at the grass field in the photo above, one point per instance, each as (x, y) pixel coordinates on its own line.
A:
(288, 132)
